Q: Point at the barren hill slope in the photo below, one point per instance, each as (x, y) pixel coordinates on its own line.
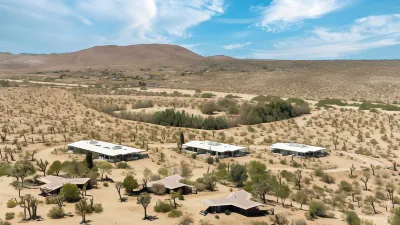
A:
(101, 56)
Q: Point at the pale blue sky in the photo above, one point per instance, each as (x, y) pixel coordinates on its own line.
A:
(277, 29)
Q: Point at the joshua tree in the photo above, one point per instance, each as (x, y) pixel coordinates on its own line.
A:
(297, 178)
(42, 166)
(365, 179)
(390, 188)
(373, 169)
(352, 169)
(118, 186)
(144, 199)
(82, 208)
(371, 200)
(174, 195)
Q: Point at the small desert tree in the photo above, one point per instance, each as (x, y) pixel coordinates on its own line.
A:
(238, 174)
(301, 197)
(104, 167)
(42, 166)
(130, 183)
(210, 181)
(297, 178)
(144, 200)
(185, 170)
(158, 188)
(70, 192)
(282, 192)
(55, 168)
(118, 186)
(174, 195)
(371, 201)
(365, 179)
(82, 208)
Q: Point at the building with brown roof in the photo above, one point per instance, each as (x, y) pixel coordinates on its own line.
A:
(172, 183)
(238, 202)
(53, 184)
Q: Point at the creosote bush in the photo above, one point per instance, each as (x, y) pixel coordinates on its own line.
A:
(56, 213)
(175, 213)
(163, 207)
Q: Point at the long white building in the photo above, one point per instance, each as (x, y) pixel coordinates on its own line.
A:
(107, 151)
(214, 149)
(295, 149)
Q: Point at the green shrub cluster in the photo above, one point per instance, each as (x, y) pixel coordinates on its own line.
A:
(56, 213)
(10, 215)
(11, 203)
(370, 105)
(163, 207)
(122, 165)
(175, 213)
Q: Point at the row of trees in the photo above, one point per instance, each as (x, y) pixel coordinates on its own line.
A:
(175, 118)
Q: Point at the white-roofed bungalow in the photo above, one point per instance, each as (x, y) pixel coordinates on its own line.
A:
(215, 149)
(107, 151)
(295, 149)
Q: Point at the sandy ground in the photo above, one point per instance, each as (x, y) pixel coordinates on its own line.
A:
(53, 107)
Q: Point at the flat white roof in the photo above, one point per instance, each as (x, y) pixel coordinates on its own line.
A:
(104, 148)
(213, 146)
(294, 147)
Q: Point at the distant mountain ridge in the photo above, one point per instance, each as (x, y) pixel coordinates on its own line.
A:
(109, 55)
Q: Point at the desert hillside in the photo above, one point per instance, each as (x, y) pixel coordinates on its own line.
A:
(99, 56)
(176, 67)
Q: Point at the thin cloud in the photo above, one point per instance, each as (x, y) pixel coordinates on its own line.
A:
(331, 43)
(236, 20)
(284, 14)
(235, 46)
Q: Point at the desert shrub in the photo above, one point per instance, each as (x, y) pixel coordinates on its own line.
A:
(352, 218)
(70, 192)
(105, 184)
(162, 207)
(10, 215)
(231, 96)
(186, 220)
(4, 167)
(332, 101)
(208, 108)
(318, 172)
(181, 197)
(210, 160)
(56, 213)
(98, 208)
(175, 213)
(11, 203)
(194, 156)
(263, 98)
(289, 176)
(50, 200)
(227, 212)
(199, 186)
(217, 217)
(327, 179)
(4, 222)
(122, 165)
(300, 222)
(142, 104)
(207, 95)
(317, 209)
(158, 189)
